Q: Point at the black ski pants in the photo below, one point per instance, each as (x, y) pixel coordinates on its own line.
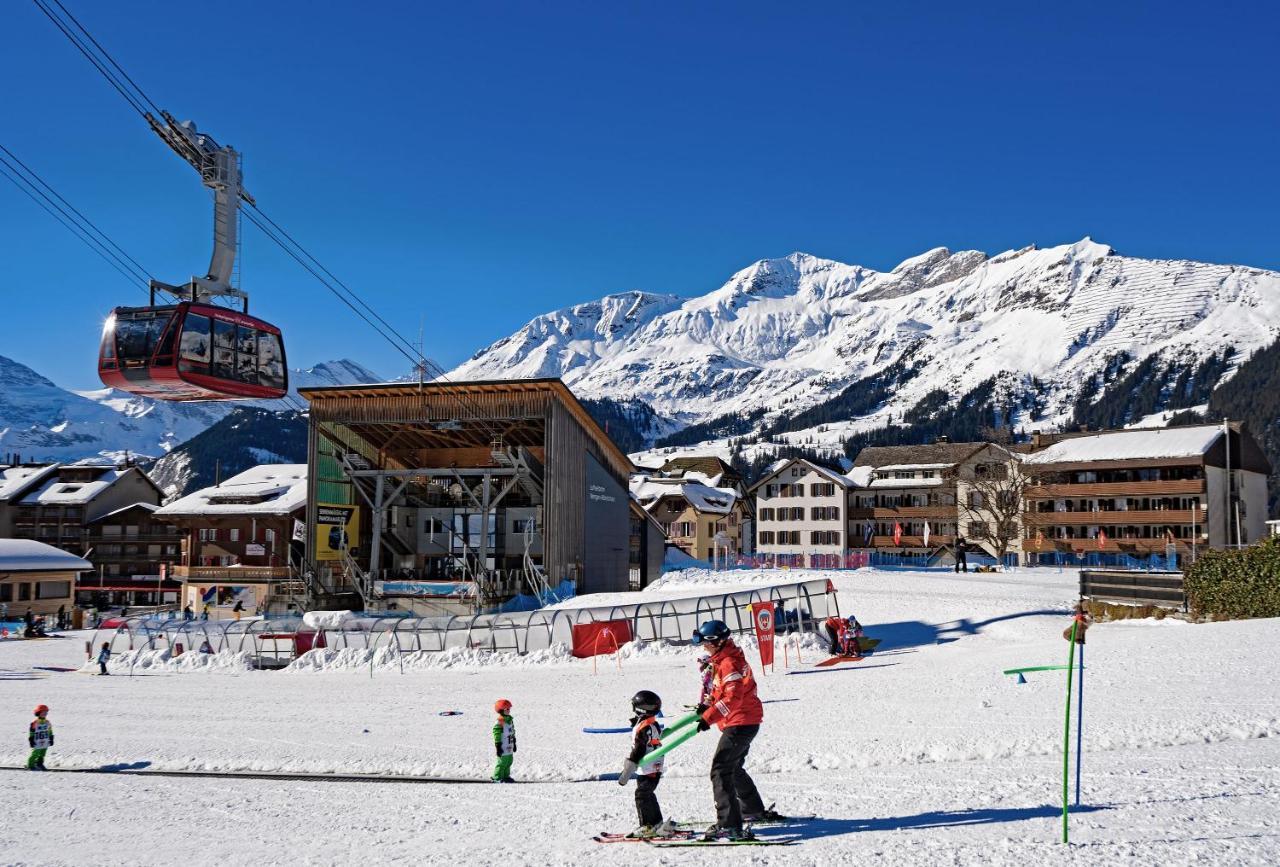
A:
(647, 808)
(734, 791)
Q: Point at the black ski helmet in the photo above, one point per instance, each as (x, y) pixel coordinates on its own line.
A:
(712, 630)
(646, 702)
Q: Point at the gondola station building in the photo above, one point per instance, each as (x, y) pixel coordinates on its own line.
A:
(459, 497)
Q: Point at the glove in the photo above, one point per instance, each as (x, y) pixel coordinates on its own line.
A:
(624, 776)
(497, 748)
(703, 725)
(700, 709)
(31, 741)
(50, 740)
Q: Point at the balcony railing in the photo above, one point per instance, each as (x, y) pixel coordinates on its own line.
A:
(250, 574)
(1085, 546)
(935, 539)
(892, 513)
(1114, 517)
(1116, 489)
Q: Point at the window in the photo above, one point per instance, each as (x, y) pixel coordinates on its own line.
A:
(235, 534)
(766, 537)
(270, 536)
(789, 537)
(208, 535)
(111, 530)
(903, 474)
(270, 361)
(824, 537)
(797, 490)
(6, 592)
(766, 514)
(24, 592)
(53, 589)
(976, 500)
(978, 528)
(246, 354)
(795, 472)
(131, 530)
(195, 344)
(224, 349)
(520, 526)
(823, 490)
(137, 338)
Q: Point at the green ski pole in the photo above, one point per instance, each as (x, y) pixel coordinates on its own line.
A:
(668, 746)
(1066, 742)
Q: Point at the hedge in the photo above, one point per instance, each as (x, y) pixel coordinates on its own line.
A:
(1234, 584)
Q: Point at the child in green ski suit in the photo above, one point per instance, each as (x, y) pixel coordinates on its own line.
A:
(504, 741)
(40, 737)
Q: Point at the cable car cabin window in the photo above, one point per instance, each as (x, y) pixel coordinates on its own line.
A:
(247, 355)
(224, 349)
(270, 362)
(136, 339)
(195, 338)
(109, 341)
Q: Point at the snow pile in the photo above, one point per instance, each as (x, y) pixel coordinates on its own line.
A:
(144, 660)
(693, 580)
(327, 619)
(387, 657)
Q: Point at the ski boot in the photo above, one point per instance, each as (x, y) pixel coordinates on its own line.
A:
(644, 832)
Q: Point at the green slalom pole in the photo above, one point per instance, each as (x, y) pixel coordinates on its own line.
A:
(688, 719)
(1066, 742)
(668, 746)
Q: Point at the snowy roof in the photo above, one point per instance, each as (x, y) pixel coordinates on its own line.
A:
(150, 507)
(931, 453)
(1127, 445)
(55, 492)
(905, 483)
(27, 555)
(825, 472)
(704, 498)
(888, 468)
(15, 480)
(859, 477)
(269, 489)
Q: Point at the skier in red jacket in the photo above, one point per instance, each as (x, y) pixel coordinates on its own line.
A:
(735, 708)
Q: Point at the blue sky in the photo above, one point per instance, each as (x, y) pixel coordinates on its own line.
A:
(469, 166)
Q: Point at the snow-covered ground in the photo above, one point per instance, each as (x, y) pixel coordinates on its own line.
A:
(922, 754)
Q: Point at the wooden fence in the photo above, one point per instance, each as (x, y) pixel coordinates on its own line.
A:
(1163, 589)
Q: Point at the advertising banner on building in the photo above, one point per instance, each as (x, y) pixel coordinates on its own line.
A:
(762, 617)
(337, 529)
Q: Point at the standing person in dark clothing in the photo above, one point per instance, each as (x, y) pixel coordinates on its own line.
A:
(61, 618)
(962, 560)
(736, 709)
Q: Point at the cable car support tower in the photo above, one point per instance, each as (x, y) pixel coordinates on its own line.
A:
(220, 171)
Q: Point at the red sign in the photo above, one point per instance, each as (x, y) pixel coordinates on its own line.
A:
(897, 533)
(762, 617)
(606, 636)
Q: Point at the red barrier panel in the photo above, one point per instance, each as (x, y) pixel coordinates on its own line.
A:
(603, 636)
(306, 640)
(762, 616)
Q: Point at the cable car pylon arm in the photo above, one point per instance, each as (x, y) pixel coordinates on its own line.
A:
(219, 168)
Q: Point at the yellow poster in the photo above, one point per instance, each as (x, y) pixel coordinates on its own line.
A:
(337, 528)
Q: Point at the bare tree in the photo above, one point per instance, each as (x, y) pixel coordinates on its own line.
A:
(991, 511)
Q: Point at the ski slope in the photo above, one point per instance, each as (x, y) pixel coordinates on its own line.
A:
(922, 754)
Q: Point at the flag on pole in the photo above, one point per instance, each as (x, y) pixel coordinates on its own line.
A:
(1102, 539)
(897, 533)
(926, 534)
(867, 532)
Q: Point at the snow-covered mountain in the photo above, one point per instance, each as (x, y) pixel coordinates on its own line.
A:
(41, 421)
(1038, 327)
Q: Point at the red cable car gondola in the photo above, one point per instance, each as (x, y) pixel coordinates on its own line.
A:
(190, 351)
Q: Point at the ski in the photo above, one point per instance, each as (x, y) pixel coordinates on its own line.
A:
(610, 837)
(764, 823)
(836, 660)
(759, 841)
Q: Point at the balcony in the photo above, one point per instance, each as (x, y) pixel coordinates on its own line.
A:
(1116, 489)
(231, 574)
(935, 540)
(891, 513)
(1115, 546)
(1116, 517)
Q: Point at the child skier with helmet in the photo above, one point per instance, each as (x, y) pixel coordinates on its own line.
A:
(40, 737)
(646, 737)
(504, 741)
